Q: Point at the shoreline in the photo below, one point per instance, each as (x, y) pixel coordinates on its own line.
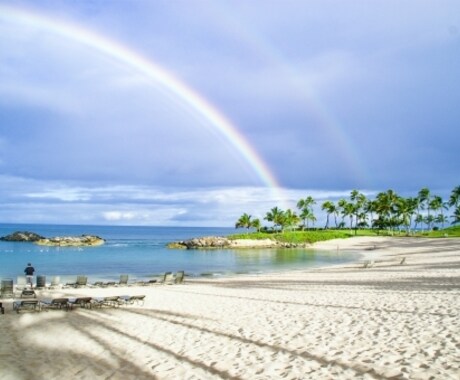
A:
(349, 322)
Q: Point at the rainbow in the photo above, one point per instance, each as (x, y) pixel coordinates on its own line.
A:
(155, 72)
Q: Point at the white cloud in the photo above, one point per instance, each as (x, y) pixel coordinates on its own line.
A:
(53, 201)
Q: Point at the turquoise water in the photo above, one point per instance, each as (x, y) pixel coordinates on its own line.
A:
(141, 253)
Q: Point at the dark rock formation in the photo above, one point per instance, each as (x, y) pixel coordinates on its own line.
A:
(22, 236)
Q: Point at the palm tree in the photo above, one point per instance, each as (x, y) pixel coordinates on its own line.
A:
(403, 212)
(330, 208)
(244, 222)
(418, 220)
(306, 207)
(412, 204)
(385, 208)
(349, 210)
(456, 215)
(369, 208)
(437, 204)
(429, 220)
(441, 219)
(454, 199)
(290, 219)
(308, 202)
(424, 197)
(275, 215)
(359, 200)
(340, 210)
(256, 224)
(362, 220)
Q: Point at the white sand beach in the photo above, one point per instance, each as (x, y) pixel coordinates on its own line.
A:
(387, 321)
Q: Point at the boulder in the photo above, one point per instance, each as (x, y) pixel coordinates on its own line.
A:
(22, 236)
(72, 241)
(210, 242)
(202, 242)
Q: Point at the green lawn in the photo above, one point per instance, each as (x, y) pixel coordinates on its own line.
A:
(312, 236)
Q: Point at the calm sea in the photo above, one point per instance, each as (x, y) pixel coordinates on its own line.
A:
(141, 252)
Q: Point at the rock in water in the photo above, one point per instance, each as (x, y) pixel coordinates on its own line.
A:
(202, 242)
(72, 241)
(22, 236)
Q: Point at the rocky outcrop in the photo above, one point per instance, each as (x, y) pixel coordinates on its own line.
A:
(72, 241)
(216, 242)
(202, 242)
(22, 236)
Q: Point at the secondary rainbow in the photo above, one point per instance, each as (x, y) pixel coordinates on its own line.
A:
(325, 119)
(155, 72)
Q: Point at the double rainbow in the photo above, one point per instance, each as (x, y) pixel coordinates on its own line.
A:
(153, 71)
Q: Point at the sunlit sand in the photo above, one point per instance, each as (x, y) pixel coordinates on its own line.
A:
(389, 320)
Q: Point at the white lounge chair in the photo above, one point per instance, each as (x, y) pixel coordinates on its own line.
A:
(21, 283)
(55, 282)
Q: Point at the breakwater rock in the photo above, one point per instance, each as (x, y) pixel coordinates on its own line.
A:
(217, 242)
(24, 236)
(202, 242)
(72, 241)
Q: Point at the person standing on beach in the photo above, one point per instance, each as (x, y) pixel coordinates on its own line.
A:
(29, 271)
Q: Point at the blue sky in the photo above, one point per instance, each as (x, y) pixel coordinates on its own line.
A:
(332, 95)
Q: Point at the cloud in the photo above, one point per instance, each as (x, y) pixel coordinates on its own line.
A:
(34, 201)
(332, 95)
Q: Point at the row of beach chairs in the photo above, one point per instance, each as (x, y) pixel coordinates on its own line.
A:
(82, 302)
(7, 286)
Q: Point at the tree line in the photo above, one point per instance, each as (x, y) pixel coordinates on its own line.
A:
(387, 210)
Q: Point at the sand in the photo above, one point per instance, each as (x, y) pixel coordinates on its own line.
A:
(387, 321)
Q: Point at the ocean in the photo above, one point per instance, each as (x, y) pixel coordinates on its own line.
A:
(141, 253)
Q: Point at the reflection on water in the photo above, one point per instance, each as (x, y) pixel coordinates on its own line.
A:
(266, 260)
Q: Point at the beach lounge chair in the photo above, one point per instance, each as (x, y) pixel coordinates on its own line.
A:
(113, 301)
(55, 282)
(98, 284)
(130, 300)
(168, 279)
(164, 277)
(179, 279)
(403, 261)
(28, 293)
(41, 282)
(81, 301)
(109, 283)
(7, 288)
(31, 305)
(82, 281)
(56, 303)
(123, 280)
(73, 284)
(21, 283)
(167, 276)
(70, 284)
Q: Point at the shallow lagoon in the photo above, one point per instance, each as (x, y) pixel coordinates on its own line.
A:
(141, 253)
